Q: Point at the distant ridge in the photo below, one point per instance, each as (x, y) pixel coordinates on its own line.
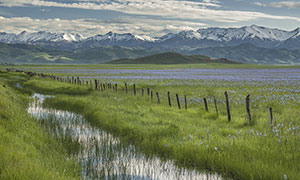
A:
(171, 58)
(250, 54)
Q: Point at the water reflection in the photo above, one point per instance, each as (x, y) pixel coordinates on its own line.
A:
(101, 155)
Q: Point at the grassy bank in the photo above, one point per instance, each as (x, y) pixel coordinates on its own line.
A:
(195, 137)
(27, 151)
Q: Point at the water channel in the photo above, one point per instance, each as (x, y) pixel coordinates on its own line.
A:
(103, 156)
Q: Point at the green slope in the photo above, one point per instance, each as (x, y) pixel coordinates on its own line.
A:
(245, 53)
(170, 58)
(104, 54)
(248, 53)
(21, 53)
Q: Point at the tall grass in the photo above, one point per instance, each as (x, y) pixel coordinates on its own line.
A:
(27, 151)
(194, 137)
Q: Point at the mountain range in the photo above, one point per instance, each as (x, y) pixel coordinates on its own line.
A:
(268, 46)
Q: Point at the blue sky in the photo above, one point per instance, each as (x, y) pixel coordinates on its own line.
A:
(144, 17)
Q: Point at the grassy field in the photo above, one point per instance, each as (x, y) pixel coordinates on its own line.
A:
(148, 66)
(27, 151)
(193, 137)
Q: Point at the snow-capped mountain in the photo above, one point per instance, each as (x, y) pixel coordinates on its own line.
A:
(246, 32)
(31, 38)
(229, 34)
(7, 37)
(201, 38)
(293, 42)
(215, 37)
(296, 33)
(115, 39)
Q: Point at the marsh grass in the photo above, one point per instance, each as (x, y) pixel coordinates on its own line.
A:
(27, 151)
(61, 88)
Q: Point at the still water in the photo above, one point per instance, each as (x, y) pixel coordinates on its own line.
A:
(103, 156)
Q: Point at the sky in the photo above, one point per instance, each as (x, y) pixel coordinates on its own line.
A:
(144, 17)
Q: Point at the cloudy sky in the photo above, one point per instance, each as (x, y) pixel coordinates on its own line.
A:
(144, 17)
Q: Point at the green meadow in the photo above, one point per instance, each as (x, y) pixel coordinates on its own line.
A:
(27, 150)
(193, 137)
(143, 66)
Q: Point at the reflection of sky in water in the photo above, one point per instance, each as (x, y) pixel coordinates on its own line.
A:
(194, 74)
(102, 156)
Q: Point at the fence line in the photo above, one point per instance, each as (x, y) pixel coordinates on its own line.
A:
(107, 86)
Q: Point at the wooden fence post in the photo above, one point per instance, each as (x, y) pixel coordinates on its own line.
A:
(126, 87)
(216, 107)
(227, 106)
(205, 104)
(185, 102)
(178, 103)
(169, 99)
(134, 90)
(271, 118)
(116, 87)
(142, 91)
(148, 91)
(158, 101)
(96, 84)
(248, 109)
(151, 95)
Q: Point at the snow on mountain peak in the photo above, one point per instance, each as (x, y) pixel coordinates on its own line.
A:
(246, 32)
(296, 33)
(72, 37)
(191, 34)
(267, 33)
(145, 38)
(7, 37)
(222, 34)
(166, 37)
(27, 37)
(111, 36)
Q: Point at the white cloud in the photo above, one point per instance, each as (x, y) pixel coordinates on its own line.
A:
(286, 4)
(90, 27)
(180, 9)
(259, 4)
